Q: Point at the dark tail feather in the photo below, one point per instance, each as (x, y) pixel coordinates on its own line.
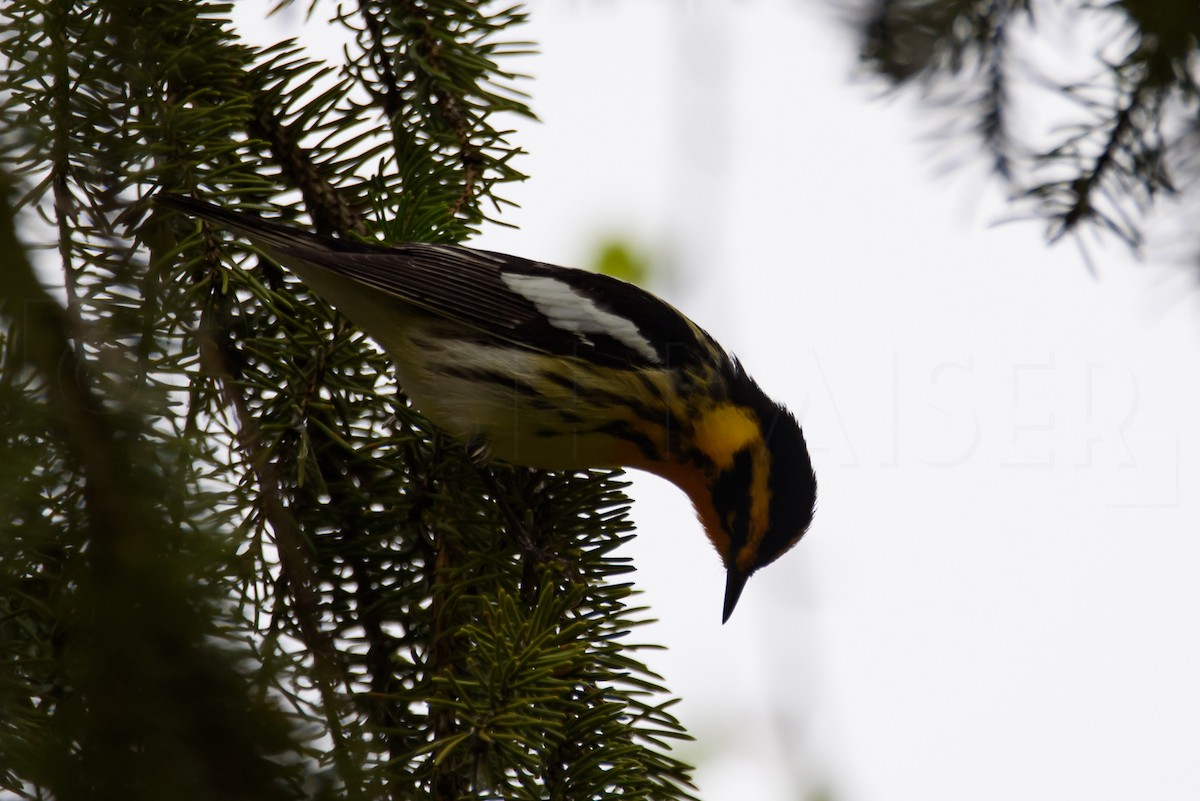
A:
(264, 233)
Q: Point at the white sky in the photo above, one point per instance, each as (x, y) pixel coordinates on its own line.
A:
(998, 598)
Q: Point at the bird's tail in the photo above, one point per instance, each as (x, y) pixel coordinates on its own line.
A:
(264, 233)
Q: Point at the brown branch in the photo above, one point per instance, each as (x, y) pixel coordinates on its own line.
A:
(330, 212)
(449, 105)
(217, 361)
(294, 554)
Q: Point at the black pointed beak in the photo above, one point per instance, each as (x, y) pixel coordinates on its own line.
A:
(735, 580)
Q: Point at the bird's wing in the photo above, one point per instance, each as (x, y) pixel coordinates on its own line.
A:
(551, 309)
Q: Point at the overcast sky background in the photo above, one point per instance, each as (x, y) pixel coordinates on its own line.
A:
(998, 597)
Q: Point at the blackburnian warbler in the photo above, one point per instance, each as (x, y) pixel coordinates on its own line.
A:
(562, 369)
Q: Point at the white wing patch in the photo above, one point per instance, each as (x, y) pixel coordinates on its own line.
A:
(567, 309)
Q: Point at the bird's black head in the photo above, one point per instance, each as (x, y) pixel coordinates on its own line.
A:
(767, 496)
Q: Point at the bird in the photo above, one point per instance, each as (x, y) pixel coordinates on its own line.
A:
(557, 368)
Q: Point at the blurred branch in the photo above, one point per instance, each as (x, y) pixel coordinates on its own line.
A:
(1127, 132)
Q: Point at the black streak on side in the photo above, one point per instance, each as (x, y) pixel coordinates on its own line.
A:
(622, 430)
(640, 410)
(481, 374)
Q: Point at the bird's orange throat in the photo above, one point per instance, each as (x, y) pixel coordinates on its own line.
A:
(697, 484)
(730, 440)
